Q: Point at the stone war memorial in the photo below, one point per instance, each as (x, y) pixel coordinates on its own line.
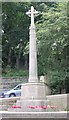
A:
(33, 92)
(33, 100)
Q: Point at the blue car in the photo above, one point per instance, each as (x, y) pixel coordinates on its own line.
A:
(15, 92)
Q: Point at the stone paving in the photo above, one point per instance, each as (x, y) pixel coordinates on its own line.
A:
(31, 115)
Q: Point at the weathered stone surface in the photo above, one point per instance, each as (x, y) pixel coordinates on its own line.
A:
(33, 90)
(61, 101)
(33, 94)
(33, 76)
(34, 105)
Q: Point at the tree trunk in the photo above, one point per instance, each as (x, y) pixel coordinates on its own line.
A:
(26, 61)
(9, 57)
(17, 62)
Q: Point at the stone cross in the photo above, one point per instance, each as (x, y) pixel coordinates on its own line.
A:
(32, 13)
(32, 47)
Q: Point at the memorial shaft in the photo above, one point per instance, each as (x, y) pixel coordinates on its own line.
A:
(32, 56)
(33, 77)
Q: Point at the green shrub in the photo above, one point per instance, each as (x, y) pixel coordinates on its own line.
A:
(14, 72)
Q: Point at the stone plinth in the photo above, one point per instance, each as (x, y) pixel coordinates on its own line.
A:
(33, 94)
(33, 91)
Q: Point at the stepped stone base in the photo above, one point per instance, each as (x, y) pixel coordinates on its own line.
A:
(33, 98)
(31, 106)
(34, 105)
(33, 95)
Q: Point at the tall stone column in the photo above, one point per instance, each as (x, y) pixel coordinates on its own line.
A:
(33, 77)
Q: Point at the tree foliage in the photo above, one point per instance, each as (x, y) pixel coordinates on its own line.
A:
(15, 25)
(53, 46)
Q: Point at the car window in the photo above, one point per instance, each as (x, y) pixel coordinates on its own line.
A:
(18, 87)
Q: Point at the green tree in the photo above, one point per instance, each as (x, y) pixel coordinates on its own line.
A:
(15, 25)
(52, 39)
